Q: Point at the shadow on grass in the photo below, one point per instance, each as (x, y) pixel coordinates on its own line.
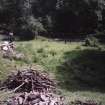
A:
(82, 70)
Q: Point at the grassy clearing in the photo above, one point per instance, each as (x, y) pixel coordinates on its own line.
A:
(46, 53)
(53, 57)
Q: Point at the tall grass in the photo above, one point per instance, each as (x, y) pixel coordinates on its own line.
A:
(51, 55)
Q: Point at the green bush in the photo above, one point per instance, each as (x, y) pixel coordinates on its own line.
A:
(78, 48)
(52, 52)
(36, 58)
(91, 41)
(40, 50)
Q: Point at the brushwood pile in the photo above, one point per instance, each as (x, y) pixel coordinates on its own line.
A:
(28, 80)
(34, 88)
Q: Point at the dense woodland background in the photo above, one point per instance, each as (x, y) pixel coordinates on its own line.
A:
(52, 18)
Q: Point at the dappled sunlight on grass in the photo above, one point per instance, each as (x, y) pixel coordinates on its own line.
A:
(46, 53)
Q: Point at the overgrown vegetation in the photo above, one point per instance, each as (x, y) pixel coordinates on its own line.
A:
(91, 41)
(79, 70)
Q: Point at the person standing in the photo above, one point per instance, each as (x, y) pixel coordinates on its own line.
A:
(11, 37)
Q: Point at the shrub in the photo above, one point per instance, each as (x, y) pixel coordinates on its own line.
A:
(40, 50)
(35, 58)
(52, 52)
(78, 48)
(91, 41)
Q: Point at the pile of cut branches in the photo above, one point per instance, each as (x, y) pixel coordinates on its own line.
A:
(29, 80)
(36, 98)
(8, 50)
(32, 87)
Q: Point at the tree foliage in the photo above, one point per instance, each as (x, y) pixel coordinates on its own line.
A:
(58, 16)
